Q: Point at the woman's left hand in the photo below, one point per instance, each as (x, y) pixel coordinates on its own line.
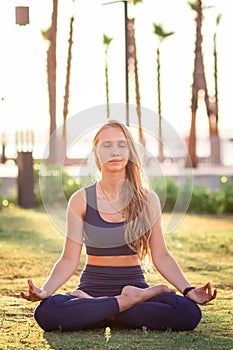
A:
(202, 295)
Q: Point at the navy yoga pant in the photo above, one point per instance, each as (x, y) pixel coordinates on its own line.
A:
(162, 312)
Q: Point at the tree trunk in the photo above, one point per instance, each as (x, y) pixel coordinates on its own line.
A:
(199, 83)
(67, 91)
(211, 103)
(107, 83)
(133, 56)
(191, 161)
(50, 35)
(213, 125)
(160, 136)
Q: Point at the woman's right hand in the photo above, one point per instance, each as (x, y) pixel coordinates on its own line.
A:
(34, 293)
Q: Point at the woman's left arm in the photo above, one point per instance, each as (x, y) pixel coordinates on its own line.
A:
(168, 267)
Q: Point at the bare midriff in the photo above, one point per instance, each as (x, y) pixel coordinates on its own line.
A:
(119, 260)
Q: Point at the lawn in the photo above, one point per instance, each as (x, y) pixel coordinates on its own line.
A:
(30, 244)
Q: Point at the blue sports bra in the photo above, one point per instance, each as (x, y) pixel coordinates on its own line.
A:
(102, 238)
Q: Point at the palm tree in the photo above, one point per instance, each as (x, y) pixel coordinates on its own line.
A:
(67, 88)
(199, 84)
(106, 41)
(132, 2)
(216, 65)
(215, 140)
(133, 73)
(51, 36)
(161, 34)
(133, 62)
(212, 109)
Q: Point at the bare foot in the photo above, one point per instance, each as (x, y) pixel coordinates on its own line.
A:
(159, 289)
(80, 294)
(143, 294)
(131, 295)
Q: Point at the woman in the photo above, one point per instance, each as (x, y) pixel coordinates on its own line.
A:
(119, 220)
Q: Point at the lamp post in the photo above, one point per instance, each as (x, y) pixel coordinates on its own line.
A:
(126, 55)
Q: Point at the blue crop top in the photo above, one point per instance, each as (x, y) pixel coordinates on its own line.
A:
(102, 238)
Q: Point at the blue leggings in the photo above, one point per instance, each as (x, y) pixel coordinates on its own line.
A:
(162, 312)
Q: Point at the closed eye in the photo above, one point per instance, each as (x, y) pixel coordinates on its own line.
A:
(122, 144)
(106, 144)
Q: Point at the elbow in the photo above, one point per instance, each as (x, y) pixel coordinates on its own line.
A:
(68, 264)
(159, 260)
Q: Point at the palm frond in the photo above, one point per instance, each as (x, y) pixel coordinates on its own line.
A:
(158, 30)
(192, 5)
(135, 2)
(218, 19)
(106, 40)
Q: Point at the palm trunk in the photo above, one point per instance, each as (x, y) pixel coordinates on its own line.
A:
(67, 90)
(199, 83)
(51, 69)
(160, 136)
(107, 83)
(210, 102)
(133, 55)
(213, 120)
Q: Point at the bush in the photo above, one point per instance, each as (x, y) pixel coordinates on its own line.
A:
(167, 191)
(0, 197)
(52, 182)
(203, 200)
(227, 193)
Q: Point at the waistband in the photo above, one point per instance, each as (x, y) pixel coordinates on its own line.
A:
(109, 280)
(120, 260)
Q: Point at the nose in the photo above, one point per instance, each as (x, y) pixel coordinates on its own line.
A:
(115, 150)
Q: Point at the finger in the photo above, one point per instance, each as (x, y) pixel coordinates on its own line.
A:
(206, 286)
(214, 294)
(24, 295)
(30, 284)
(212, 297)
(209, 290)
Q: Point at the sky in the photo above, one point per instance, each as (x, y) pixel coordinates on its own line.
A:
(23, 82)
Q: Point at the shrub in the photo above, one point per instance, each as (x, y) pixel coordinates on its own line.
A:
(167, 191)
(52, 182)
(227, 193)
(0, 197)
(203, 200)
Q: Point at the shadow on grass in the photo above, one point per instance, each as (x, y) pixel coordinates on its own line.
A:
(34, 229)
(135, 339)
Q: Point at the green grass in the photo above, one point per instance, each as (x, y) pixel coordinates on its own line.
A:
(30, 244)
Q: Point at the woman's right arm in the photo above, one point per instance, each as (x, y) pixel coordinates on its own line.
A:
(68, 262)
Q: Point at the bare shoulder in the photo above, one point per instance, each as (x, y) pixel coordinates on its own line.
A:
(77, 202)
(154, 198)
(153, 208)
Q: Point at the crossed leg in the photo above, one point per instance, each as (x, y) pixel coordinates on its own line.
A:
(130, 295)
(79, 310)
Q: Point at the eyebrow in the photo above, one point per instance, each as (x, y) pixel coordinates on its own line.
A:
(110, 140)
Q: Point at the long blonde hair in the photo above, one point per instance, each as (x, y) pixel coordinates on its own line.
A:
(137, 227)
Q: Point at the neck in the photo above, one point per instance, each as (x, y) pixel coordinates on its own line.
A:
(111, 182)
